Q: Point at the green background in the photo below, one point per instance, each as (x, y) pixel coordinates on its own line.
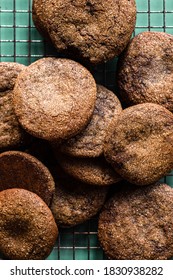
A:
(21, 42)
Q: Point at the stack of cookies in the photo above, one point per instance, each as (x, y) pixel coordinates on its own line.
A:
(65, 140)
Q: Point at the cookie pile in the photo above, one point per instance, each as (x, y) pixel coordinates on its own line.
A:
(65, 140)
(52, 100)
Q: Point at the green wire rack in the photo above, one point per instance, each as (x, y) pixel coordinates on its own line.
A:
(21, 42)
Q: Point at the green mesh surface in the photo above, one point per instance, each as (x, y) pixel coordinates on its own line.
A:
(21, 42)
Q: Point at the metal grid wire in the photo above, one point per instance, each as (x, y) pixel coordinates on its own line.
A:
(21, 42)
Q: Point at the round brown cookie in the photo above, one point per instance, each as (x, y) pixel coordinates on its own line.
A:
(54, 98)
(27, 228)
(137, 223)
(89, 143)
(94, 30)
(75, 202)
(145, 72)
(139, 144)
(94, 171)
(11, 134)
(20, 170)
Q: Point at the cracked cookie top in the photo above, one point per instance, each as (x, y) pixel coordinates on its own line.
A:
(93, 30)
(54, 98)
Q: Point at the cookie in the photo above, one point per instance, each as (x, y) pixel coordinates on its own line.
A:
(137, 224)
(11, 133)
(139, 144)
(94, 171)
(27, 228)
(75, 202)
(93, 30)
(20, 170)
(145, 70)
(89, 143)
(54, 98)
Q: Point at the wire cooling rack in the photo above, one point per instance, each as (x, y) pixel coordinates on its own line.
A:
(21, 42)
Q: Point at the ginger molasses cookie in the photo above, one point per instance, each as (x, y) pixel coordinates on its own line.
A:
(75, 202)
(94, 171)
(139, 144)
(11, 133)
(54, 98)
(27, 227)
(145, 72)
(20, 170)
(94, 30)
(89, 143)
(137, 223)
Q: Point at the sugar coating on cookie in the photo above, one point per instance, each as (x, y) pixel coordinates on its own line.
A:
(139, 144)
(137, 223)
(94, 171)
(89, 143)
(27, 228)
(54, 98)
(93, 30)
(145, 70)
